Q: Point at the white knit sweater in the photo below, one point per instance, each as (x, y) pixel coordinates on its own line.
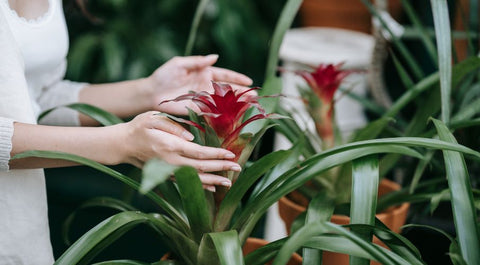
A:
(32, 66)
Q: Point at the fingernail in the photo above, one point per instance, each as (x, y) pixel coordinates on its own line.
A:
(236, 168)
(212, 56)
(229, 155)
(211, 188)
(226, 184)
(187, 136)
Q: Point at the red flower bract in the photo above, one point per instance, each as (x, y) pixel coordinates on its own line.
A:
(224, 112)
(325, 80)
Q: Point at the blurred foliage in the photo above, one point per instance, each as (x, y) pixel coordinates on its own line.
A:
(133, 38)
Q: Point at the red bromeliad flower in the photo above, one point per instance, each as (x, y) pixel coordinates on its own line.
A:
(324, 82)
(224, 112)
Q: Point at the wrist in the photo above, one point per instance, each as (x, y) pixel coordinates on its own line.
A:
(118, 148)
(147, 93)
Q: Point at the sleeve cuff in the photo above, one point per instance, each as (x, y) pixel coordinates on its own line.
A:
(6, 133)
(63, 93)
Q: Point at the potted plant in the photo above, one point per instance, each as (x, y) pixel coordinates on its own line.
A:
(416, 123)
(323, 83)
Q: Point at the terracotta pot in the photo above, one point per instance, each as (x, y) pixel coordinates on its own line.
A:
(252, 244)
(394, 217)
(346, 14)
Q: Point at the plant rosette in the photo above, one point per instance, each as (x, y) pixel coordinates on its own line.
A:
(318, 99)
(219, 121)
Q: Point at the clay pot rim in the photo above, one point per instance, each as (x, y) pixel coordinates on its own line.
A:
(250, 240)
(296, 258)
(395, 210)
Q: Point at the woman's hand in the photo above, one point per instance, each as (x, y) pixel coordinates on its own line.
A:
(176, 77)
(150, 135)
(180, 75)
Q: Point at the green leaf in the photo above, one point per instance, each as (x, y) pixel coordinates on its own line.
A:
(224, 246)
(254, 140)
(467, 112)
(104, 117)
(283, 24)
(265, 253)
(154, 173)
(472, 92)
(99, 237)
(271, 86)
(117, 175)
(394, 241)
(424, 36)
(194, 201)
(293, 158)
(320, 209)
(463, 208)
(202, 5)
(199, 135)
(169, 192)
(292, 131)
(95, 202)
(402, 73)
(441, 20)
(121, 262)
(246, 179)
(437, 198)
(455, 255)
(309, 233)
(108, 231)
(365, 175)
(422, 164)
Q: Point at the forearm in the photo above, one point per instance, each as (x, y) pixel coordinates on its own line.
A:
(124, 99)
(102, 144)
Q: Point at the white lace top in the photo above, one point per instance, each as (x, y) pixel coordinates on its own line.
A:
(32, 67)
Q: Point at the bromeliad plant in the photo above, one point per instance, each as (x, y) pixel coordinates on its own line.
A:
(222, 117)
(219, 123)
(322, 82)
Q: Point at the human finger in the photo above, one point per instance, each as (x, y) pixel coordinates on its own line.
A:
(229, 76)
(197, 62)
(199, 152)
(209, 165)
(210, 188)
(167, 125)
(211, 179)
